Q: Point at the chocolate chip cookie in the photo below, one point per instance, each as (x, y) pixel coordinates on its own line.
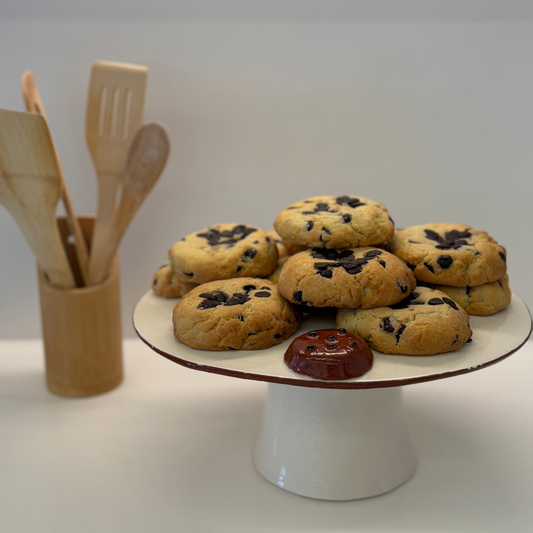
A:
(165, 284)
(234, 314)
(427, 322)
(274, 277)
(335, 222)
(355, 277)
(450, 254)
(482, 300)
(224, 251)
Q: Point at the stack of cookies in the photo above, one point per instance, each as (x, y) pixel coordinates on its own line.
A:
(245, 288)
(466, 264)
(345, 267)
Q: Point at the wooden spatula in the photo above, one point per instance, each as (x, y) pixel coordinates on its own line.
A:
(30, 188)
(114, 115)
(145, 162)
(35, 105)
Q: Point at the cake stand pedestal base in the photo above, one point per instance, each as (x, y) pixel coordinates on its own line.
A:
(334, 444)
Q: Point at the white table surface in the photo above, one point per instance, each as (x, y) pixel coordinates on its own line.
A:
(170, 451)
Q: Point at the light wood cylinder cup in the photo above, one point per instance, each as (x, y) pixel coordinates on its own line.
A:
(82, 330)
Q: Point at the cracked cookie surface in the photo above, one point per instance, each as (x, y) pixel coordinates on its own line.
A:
(450, 254)
(224, 251)
(482, 300)
(354, 277)
(165, 284)
(335, 222)
(427, 322)
(234, 314)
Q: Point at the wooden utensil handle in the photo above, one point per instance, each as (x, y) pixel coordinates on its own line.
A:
(107, 196)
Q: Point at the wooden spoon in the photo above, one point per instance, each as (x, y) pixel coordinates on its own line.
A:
(146, 160)
(114, 115)
(30, 188)
(35, 105)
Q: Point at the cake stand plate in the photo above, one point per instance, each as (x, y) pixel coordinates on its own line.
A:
(336, 440)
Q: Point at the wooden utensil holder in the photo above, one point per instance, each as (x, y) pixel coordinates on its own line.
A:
(82, 329)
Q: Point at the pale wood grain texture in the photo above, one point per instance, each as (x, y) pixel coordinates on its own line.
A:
(30, 189)
(145, 162)
(114, 115)
(82, 333)
(34, 104)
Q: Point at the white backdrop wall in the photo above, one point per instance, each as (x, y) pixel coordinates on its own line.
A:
(432, 118)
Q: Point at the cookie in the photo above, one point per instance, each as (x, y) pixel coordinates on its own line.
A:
(329, 354)
(165, 284)
(293, 248)
(427, 322)
(274, 277)
(335, 222)
(234, 314)
(224, 251)
(355, 277)
(482, 300)
(450, 254)
(280, 244)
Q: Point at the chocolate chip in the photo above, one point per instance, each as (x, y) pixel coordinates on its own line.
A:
(249, 254)
(309, 226)
(435, 301)
(445, 261)
(342, 331)
(297, 297)
(239, 268)
(326, 273)
(373, 253)
(330, 346)
(310, 347)
(382, 263)
(347, 200)
(451, 303)
(248, 288)
(330, 338)
(385, 325)
(326, 231)
(229, 237)
(268, 239)
(262, 294)
(312, 334)
(241, 318)
(155, 281)
(266, 288)
(455, 340)
(452, 239)
(399, 333)
(190, 274)
(352, 344)
(504, 259)
(429, 267)
(402, 286)
(277, 336)
(347, 218)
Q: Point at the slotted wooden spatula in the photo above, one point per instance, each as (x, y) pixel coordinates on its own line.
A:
(30, 189)
(34, 104)
(114, 115)
(145, 161)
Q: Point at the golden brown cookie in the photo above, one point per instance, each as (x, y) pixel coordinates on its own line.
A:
(335, 222)
(427, 322)
(224, 251)
(355, 277)
(482, 300)
(165, 284)
(234, 314)
(450, 254)
(274, 277)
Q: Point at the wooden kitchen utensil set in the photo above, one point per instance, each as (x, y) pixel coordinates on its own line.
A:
(32, 182)
(79, 291)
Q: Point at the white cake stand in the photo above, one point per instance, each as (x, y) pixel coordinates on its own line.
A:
(336, 440)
